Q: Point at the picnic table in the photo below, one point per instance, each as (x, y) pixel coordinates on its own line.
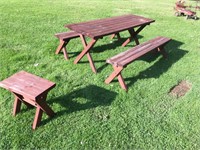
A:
(97, 29)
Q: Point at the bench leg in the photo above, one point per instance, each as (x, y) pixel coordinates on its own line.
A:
(161, 49)
(65, 53)
(86, 50)
(117, 73)
(121, 82)
(62, 46)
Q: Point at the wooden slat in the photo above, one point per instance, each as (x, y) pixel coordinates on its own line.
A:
(105, 25)
(92, 22)
(109, 29)
(113, 28)
(102, 27)
(67, 35)
(102, 24)
(128, 56)
(106, 21)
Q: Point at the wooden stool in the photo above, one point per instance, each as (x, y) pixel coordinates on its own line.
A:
(32, 91)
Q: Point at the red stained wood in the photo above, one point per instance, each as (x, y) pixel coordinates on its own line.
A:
(121, 60)
(32, 91)
(64, 38)
(107, 26)
(67, 35)
(96, 29)
(128, 56)
(27, 84)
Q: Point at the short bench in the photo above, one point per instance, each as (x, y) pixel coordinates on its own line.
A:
(120, 61)
(64, 38)
(30, 90)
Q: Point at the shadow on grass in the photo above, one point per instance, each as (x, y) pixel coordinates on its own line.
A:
(109, 46)
(81, 99)
(162, 65)
(99, 49)
(112, 45)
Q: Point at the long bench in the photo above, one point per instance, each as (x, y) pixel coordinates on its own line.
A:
(120, 61)
(64, 39)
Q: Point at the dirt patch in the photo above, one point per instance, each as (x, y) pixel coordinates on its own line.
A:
(181, 89)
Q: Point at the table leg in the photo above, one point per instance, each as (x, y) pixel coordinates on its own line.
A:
(133, 35)
(112, 36)
(116, 34)
(91, 63)
(86, 50)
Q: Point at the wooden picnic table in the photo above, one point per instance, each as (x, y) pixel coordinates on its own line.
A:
(97, 29)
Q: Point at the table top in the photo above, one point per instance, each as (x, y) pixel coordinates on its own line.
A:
(27, 84)
(107, 26)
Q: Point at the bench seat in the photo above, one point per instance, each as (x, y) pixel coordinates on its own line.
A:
(64, 38)
(120, 61)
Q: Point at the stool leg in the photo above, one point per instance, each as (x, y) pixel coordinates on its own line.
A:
(40, 108)
(43, 105)
(38, 117)
(17, 105)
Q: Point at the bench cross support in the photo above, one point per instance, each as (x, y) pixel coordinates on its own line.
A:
(62, 46)
(117, 73)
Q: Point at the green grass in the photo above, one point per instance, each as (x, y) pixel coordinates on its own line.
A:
(91, 114)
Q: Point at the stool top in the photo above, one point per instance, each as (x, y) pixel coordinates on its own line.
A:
(28, 85)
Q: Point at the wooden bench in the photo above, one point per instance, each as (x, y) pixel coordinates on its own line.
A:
(64, 38)
(30, 90)
(120, 61)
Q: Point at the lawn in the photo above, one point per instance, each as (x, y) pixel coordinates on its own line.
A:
(89, 113)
